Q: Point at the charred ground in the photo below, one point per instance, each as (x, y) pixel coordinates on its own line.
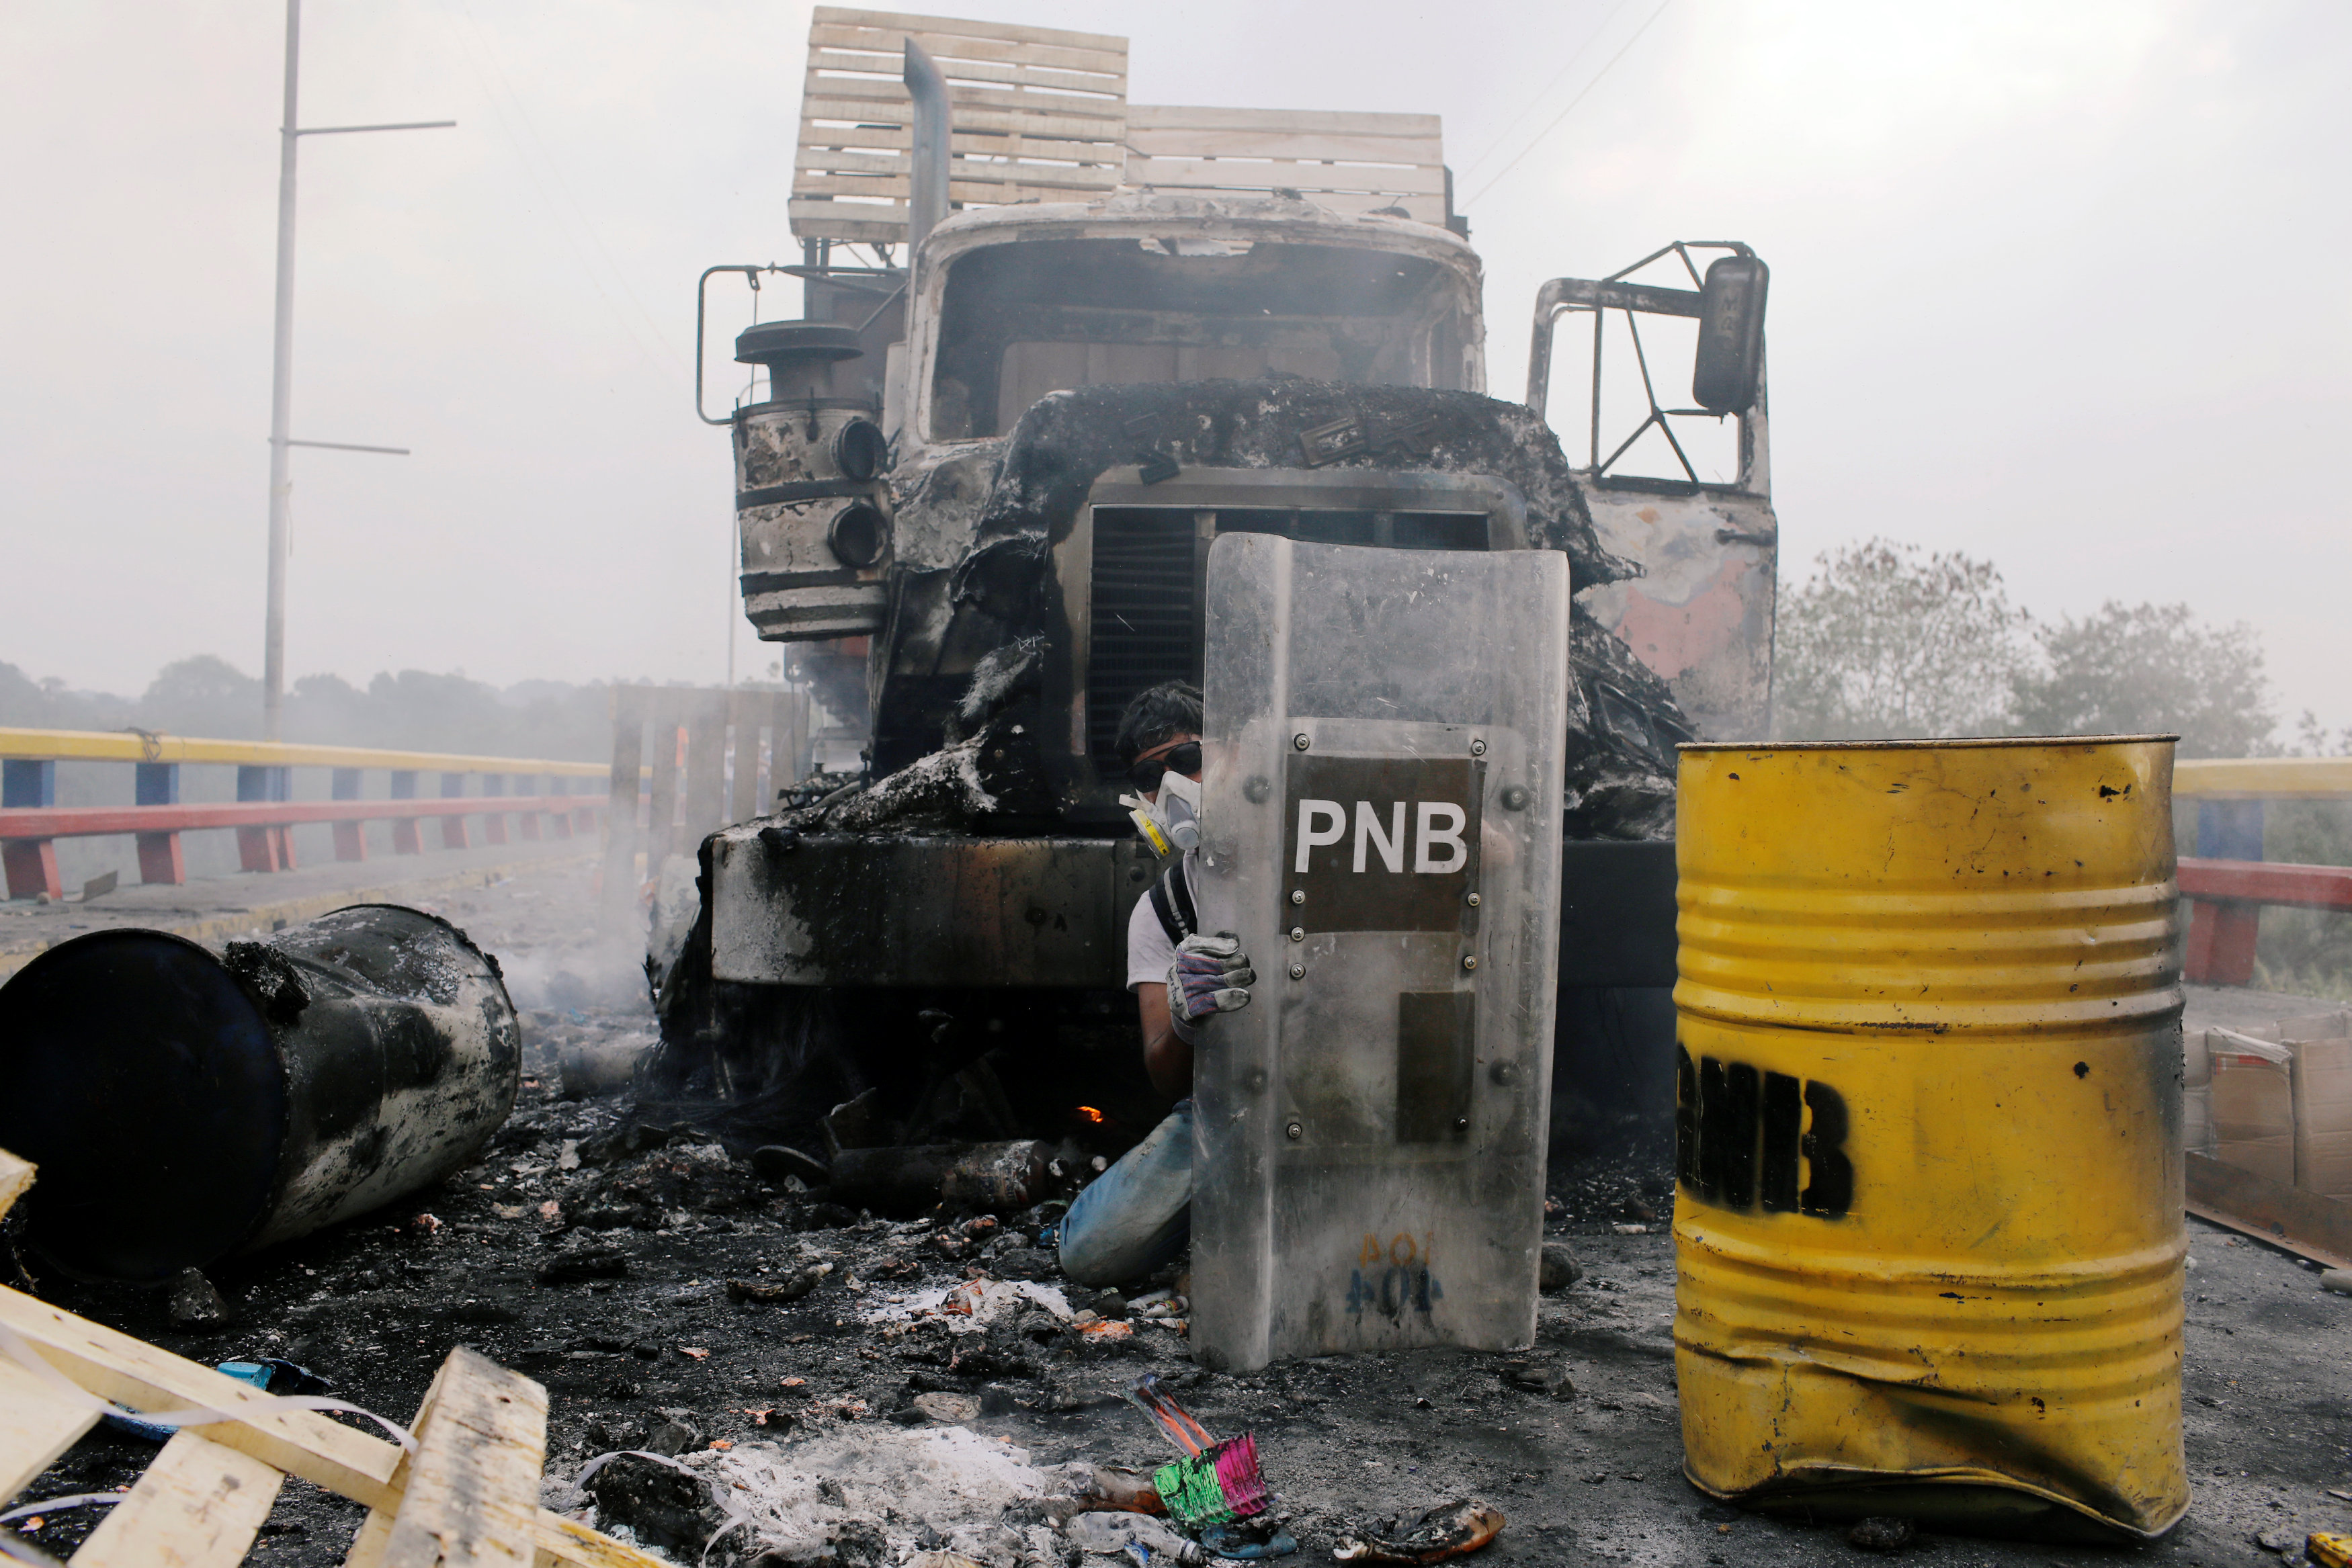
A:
(619, 1299)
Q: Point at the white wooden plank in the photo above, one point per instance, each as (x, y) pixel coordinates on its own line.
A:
(1005, 32)
(824, 64)
(843, 221)
(1419, 151)
(368, 1545)
(1034, 125)
(883, 166)
(890, 41)
(869, 92)
(472, 1494)
(1229, 173)
(566, 1543)
(1079, 185)
(131, 1372)
(37, 1424)
(375, 1536)
(198, 1506)
(1301, 121)
(893, 140)
(16, 1176)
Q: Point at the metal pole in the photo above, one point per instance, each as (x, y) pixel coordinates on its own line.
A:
(934, 139)
(281, 392)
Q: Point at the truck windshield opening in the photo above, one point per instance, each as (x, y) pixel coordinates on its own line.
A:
(1023, 319)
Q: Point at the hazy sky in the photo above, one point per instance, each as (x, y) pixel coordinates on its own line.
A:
(2050, 285)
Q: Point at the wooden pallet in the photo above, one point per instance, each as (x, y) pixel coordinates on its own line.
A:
(1348, 162)
(468, 1498)
(1040, 116)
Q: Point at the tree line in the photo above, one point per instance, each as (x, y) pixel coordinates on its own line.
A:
(413, 710)
(1886, 639)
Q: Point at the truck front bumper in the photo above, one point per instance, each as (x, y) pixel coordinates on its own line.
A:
(836, 909)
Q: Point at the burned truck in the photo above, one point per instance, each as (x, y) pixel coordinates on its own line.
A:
(1053, 346)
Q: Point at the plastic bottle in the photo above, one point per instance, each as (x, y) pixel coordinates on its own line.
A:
(1110, 1533)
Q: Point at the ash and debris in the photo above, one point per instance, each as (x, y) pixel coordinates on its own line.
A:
(1067, 439)
(677, 1301)
(989, 761)
(1622, 720)
(960, 753)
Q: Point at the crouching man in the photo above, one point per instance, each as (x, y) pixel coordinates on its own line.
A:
(1137, 1216)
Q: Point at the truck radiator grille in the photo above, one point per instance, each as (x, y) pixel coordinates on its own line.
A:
(1146, 623)
(1149, 561)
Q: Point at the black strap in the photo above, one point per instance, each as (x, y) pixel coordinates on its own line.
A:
(1171, 901)
(1179, 886)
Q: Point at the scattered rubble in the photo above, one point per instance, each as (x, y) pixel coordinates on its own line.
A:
(1882, 1534)
(1355, 1448)
(193, 1304)
(1449, 1530)
(1558, 1269)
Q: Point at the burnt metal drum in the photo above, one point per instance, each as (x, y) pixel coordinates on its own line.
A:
(183, 1106)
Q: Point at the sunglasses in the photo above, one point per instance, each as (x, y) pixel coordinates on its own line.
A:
(1185, 759)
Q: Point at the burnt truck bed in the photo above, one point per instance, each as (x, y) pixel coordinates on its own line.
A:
(907, 910)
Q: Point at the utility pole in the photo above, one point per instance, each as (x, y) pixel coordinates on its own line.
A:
(281, 373)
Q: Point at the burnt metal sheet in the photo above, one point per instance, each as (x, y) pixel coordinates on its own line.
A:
(2309, 1224)
(1701, 614)
(835, 910)
(908, 910)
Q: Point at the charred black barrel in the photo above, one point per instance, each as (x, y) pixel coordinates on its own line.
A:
(183, 1106)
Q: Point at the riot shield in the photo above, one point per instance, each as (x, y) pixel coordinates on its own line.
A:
(1382, 805)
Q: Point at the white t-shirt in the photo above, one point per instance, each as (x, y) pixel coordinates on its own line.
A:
(1148, 950)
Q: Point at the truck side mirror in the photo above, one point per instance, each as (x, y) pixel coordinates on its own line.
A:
(1730, 361)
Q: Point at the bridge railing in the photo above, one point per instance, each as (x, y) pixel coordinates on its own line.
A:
(2228, 881)
(540, 797)
(699, 757)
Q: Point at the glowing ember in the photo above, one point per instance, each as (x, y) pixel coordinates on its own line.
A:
(1088, 1113)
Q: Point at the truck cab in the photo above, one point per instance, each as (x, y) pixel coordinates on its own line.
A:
(978, 481)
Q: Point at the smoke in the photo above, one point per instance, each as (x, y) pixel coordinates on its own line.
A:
(605, 974)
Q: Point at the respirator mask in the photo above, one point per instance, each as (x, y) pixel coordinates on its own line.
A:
(1170, 823)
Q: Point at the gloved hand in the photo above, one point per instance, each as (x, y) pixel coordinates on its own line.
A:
(1210, 975)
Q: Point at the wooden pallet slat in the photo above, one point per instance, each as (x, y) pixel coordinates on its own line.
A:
(132, 1373)
(851, 124)
(868, 93)
(1227, 173)
(37, 1424)
(199, 1505)
(1056, 99)
(963, 187)
(847, 221)
(1404, 153)
(561, 1542)
(1263, 122)
(965, 49)
(466, 1497)
(890, 67)
(969, 142)
(1337, 159)
(16, 1176)
(965, 28)
(472, 1494)
(993, 168)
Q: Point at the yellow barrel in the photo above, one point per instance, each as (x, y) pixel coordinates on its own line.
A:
(1929, 1223)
